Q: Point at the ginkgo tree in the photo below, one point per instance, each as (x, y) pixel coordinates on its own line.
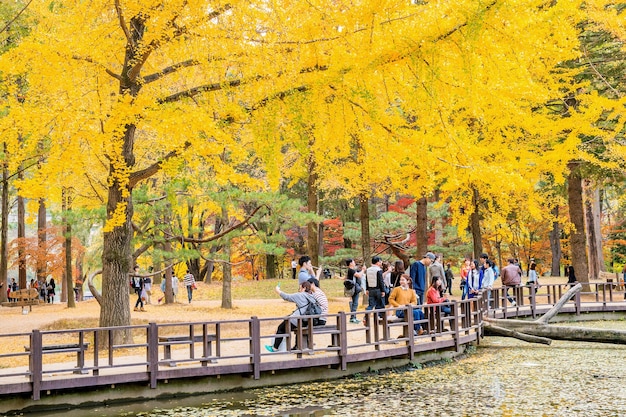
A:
(125, 89)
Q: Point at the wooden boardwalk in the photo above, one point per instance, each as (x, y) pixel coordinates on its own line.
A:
(62, 361)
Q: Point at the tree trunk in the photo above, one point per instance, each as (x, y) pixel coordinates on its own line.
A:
(42, 252)
(577, 217)
(117, 259)
(169, 294)
(227, 296)
(4, 231)
(594, 232)
(477, 237)
(270, 266)
(364, 217)
(312, 207)
(555, 244)
(421, 227)
(71, 302)
(210, 265)
(21, 235)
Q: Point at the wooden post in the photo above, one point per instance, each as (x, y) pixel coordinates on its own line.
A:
(36, 363)
(255, 346)
(153, 353)
(410, 325)
(343, 339)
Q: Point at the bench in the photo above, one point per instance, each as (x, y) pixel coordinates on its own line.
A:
(26, 297)
(185, 339)
(330, 329)
(612, 278)
(68, 347)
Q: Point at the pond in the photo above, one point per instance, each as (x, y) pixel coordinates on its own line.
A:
(501, 377)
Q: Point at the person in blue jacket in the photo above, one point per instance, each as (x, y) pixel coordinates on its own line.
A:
(418, 273)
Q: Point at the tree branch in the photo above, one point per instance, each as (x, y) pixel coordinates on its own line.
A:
(223, 233)
(140, 175)
(120, 16)
(16, 16)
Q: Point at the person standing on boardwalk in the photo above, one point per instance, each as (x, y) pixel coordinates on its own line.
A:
(436, 270)
(375, 287)
(418, 273)
(190, 283)
(354, 275)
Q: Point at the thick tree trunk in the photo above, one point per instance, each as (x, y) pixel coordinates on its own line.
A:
(421, 227)
(4, 229)
(594, 233)
(270, 266)
(577, 217)
(477, 237)
(116, 261)
(555, 245)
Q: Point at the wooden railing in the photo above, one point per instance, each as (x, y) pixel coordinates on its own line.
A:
(64, 359)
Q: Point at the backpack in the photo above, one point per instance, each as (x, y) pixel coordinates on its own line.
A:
(313, 308)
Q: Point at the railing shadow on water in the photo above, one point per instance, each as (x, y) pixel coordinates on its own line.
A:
(65, 359)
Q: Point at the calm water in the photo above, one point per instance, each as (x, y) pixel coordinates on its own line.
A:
(503, 377)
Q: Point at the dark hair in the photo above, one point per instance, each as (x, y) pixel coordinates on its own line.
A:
(484, 256)
(386, 266)
(398, 267)
(303, 259)
(375, 260)
(475, 262)
(349, 261)
(314, 281)
(307, 286)
(533, 265)
(434, 279)
(511, 260)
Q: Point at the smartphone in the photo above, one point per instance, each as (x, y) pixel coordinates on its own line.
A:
(278, 285)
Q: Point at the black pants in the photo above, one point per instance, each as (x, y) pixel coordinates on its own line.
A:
(282, 329)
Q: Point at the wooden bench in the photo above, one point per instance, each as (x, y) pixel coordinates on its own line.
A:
(612, 278)
(69, 347)
(185, 339)
(317, 330)
(26, 297)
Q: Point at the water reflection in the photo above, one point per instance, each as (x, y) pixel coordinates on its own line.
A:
(504, 377)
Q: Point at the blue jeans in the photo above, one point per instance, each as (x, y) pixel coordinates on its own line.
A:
(375, 301)
(420, 297)
(417, 315)
(354, 304)
(189, 293)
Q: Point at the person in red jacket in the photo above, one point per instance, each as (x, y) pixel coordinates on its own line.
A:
(434, 297)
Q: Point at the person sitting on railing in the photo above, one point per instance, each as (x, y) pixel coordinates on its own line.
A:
(302, 299)
(511, 277)
(434, 297)
(322, 300)
(403, 295)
